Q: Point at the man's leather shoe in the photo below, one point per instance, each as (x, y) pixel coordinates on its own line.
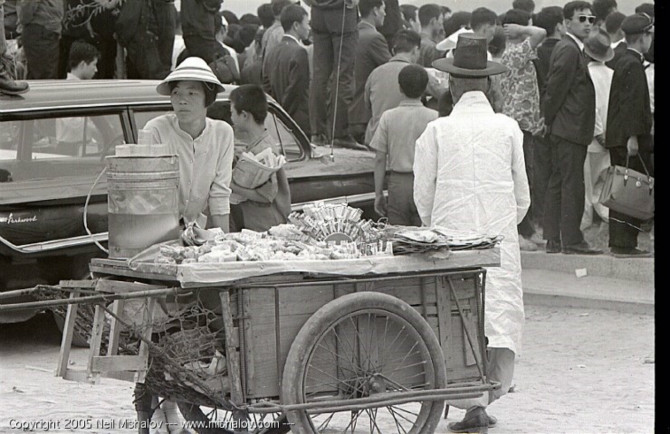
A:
(348, 142)
(11, 87)
(620, 252)
(475, 421)
(553, 246)
(582, 248)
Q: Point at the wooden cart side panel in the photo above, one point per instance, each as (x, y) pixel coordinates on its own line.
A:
(272, 322)
(274, 317)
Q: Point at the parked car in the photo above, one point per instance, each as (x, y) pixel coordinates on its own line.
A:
(53, 142)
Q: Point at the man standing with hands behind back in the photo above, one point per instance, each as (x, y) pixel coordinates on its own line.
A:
(470, 177)
(569, 111)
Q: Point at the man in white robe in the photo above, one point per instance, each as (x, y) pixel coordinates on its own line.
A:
(470, 178)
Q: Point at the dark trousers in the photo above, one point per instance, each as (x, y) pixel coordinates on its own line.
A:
(526, 228)
(143, 59)
(166, 21)
(542, 168)
(623, 230)
(41, 48)
(327, 37)
(564, 200)
(401, 207)
(205, 49)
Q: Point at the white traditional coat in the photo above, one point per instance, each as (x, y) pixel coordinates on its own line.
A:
(469, 177)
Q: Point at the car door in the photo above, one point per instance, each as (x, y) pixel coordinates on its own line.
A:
(49, 163)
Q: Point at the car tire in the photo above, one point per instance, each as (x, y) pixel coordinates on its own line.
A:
(77, 339)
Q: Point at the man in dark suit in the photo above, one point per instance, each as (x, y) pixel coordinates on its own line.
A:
(371, 51)
(286, 67)
(551, 20)
(629, 125)
(569, 110)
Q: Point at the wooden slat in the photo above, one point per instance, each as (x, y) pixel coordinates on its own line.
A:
(232, 352)
(146, 334)
(444, 319)
(115, 328)
(66, 341)
(121, 287)
(83, 284)
(248, 355)
(123, 376)
(79, 375)
(96, 339)
(103, 364)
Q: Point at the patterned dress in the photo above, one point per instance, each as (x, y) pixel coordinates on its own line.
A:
(519, 86)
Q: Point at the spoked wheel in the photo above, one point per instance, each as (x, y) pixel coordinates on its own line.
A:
(364, 345)
(212, 421)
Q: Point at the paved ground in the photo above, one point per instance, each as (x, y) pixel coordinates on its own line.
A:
(581, 371)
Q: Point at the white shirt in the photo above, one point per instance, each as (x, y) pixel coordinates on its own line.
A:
(205, 164)
(177, 48)
(233, 54)
(470, 177)
(601, 75)
(71, 130)
(580, 44)
(649, 72)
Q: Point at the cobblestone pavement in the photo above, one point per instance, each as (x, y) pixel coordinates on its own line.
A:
(581, 371)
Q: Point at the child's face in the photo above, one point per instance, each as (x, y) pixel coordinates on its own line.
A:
(88, 70)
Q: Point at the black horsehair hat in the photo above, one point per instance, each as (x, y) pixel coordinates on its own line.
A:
(470, 59)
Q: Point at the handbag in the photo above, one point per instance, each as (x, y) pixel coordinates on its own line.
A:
(629, 192)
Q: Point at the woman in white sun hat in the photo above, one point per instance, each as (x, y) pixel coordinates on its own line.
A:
(204, 146)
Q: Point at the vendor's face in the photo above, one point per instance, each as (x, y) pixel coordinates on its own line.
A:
(188, 101)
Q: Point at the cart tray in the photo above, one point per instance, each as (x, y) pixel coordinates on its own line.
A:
(216, 274)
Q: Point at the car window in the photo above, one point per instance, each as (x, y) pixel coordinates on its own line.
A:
(57, 147)
(287, 143)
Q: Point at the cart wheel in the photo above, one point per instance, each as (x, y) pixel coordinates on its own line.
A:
(204, 416)
(357, 346)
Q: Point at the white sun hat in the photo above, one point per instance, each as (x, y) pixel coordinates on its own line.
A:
(191, 69)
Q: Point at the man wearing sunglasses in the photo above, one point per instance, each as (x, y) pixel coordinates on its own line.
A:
(569, 111)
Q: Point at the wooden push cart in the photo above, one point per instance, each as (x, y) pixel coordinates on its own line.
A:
(366, 345)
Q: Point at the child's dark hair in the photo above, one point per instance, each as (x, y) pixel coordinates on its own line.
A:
(292, 14)
(81, 51)
(413, 80)
(517, 16)
(251, 99)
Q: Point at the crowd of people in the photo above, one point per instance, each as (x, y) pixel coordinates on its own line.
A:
(335, 70)
(480, 122)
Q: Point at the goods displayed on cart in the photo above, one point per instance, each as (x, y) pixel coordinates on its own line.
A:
(321, 232)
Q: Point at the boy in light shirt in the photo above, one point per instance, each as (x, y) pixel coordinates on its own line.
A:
(394, 142)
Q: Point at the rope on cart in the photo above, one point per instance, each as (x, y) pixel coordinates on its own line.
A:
(88, 198)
